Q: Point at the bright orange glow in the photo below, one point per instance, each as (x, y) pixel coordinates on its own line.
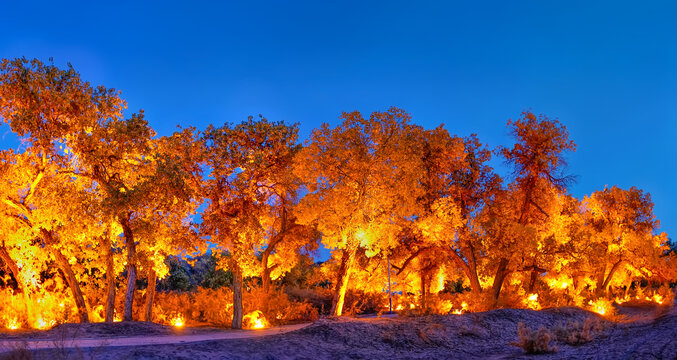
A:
(622, 300)
(559, 283)
(658, 299)
(117, 318)
(13, 324)
(532, 302)
(446, 306)
(255, 320)
(600, 306)
(42, 324)
(177, 321)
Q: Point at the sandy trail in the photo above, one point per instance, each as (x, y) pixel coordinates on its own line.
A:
(9, 345)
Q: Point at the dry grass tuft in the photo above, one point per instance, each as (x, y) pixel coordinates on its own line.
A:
(534, 342)
(576, 333)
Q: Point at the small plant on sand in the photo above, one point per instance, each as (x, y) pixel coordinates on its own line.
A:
(534, 342)
(575, 333)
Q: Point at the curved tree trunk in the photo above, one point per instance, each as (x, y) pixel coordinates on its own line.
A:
(501, 272)
(345, 269)
(72, 283)
(469, 269)
(472, 270)
(607, 280)
(265, 281)
(14, 269)
(237, 298)
(110, 278)
(131, 270)
(150, 295)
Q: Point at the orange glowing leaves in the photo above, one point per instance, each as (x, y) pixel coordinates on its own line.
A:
(251, 189)
(376, 186)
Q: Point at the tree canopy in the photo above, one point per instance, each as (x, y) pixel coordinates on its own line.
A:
(95, 202)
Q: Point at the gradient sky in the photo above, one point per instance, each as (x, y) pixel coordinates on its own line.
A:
(607, 70)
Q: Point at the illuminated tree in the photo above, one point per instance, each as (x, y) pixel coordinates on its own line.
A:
(79, 131)
(428, 236)
(538, 162)
(48, 107)
(471, 186)
(456, 182)
(170, 199)
(248, 169)
(52, 216)
(622, 225)
(362, 178)
(287, 239)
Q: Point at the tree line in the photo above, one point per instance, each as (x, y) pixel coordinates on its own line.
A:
(97, 195)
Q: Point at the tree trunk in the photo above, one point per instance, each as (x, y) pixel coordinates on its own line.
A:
(601, 277)
(607, 281)
(475, 285)
(423, 291)
(150, 294)
(265, 280)
(237, 297)
(131, 270)
(627, 288)
(265, 275)
(470, 273)
(14, 269)
(532, 281)
(501, 272)
(110, 278)
(72, 283)
(342, 280)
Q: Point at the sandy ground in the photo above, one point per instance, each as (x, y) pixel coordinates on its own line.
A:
(648, 334)
(72, 337)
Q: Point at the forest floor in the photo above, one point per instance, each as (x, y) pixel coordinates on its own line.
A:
(640, 332)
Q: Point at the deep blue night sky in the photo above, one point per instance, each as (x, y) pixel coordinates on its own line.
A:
(607, 70)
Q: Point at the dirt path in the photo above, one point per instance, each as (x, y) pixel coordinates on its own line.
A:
(9, 345)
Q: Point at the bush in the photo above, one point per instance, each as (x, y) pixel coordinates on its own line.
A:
(215, 306)
(576, 333)
(362, 302)
(534, 342)
(320, 298)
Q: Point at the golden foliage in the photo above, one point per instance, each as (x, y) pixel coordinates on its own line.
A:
(93, 194)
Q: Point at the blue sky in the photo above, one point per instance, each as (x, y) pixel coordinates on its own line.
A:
(607, 70)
